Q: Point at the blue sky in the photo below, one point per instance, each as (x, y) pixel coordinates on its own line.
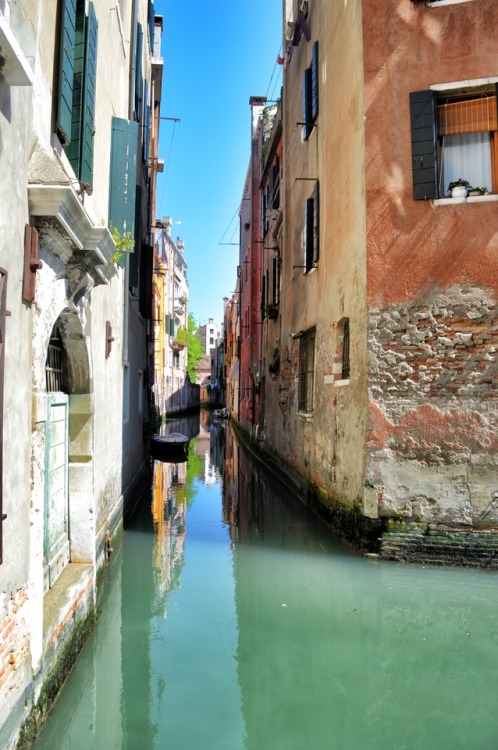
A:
(216, 56)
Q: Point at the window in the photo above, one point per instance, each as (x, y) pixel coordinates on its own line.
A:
(311, 230)
(345, 365)
(454, 135)
(310, 94)
(306, 371)
(75, 120)
(276, 280)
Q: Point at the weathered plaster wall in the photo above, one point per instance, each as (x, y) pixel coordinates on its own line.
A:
(432, 282)
(326, 447)
(16, 614)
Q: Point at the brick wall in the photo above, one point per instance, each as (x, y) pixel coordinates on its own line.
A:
(14, 643)
(443, 349)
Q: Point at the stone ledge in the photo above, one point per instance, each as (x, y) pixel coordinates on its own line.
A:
(69, 593)
(472, 548)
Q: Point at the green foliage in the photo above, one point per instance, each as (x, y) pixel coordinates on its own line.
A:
(195, 349)
(195, 467)
(124, 243)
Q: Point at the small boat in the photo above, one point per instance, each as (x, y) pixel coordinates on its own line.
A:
(172, 447)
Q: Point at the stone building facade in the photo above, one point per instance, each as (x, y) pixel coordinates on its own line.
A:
(78, 84)
(379, 377)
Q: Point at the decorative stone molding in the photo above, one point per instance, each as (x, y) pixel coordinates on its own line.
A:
(69, 233)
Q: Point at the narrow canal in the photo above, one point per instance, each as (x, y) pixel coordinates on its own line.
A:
(229, 620)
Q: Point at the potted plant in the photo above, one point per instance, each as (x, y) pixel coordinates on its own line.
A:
(458, 188)
(472, 191)
(271, 311)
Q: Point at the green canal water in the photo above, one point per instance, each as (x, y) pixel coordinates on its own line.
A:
(230, 620)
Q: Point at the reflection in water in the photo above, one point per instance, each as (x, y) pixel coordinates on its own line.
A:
(231, 620)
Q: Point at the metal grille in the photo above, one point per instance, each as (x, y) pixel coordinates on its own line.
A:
(53, 365)
(345, 351)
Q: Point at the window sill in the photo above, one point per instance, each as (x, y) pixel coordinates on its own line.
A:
(307, 415)
(340, 383)
(470, 199)
(437, 3)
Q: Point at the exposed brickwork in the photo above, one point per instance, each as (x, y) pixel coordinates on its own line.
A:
(443, 349)
(14, 642)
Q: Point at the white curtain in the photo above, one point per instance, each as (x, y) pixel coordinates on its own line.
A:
(469, 157)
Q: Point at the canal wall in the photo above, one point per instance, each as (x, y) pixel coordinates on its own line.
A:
(391, 539)
(439, 545)
(346, 522)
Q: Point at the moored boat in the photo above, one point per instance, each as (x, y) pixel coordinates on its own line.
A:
(172, 447)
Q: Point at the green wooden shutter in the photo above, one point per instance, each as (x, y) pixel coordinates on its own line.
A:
(73, 148)
(80, 149)
(146, 124)
(314, 82)
(123, 175)
(88, 103)
(151, 17)
(138, 74)
(424, 144)
(66, 71)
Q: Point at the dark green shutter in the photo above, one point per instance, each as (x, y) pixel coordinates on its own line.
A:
(151, 25)
(276, 281)
(146, 123)
(80, 149)
(138, 74)
(88, 103)
(145, 296)
(424, 144)
(307, 125)
(66, 71)
(73, 148)
(308, 234)
(123, 175)
(133, 277)
(316, 223)
(314, 82)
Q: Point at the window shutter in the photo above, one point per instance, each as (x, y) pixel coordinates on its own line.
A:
(138, 74)
(314, 82)
(145, 299)
(151, 26)
(88, 104)
(307, 103)
(308, 235)
(133, 267)
(316, 223)
(424, 144)
(73, 148)
(66, 71)
(276, 281)
(146, 124)
(123, 175)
